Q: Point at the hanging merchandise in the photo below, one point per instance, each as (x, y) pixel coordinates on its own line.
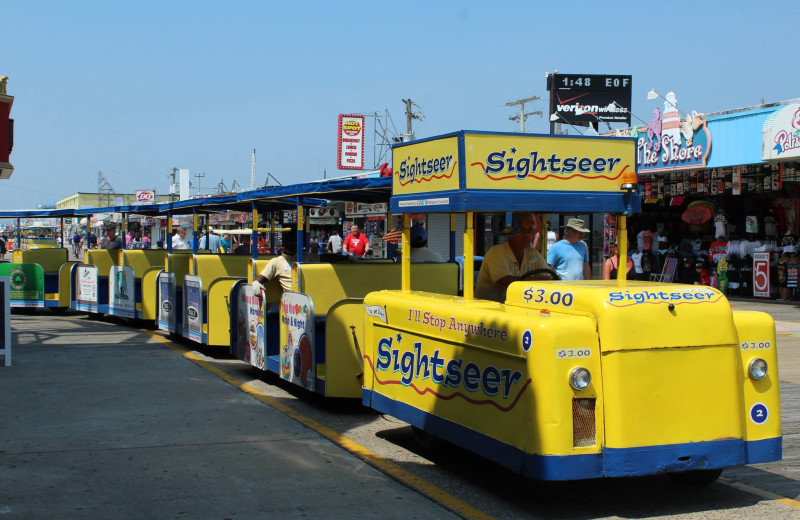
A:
(609, 232)
(746, 276)
(698, 214)
(776, 177)
(734, 276)
(736, 181)
(783, 291)
(720, 224)
(727, 177)
(751, 224)
(771, 225)
(686, 270)
(713, 183)
(722, 276)
(751, 181)
(793, 274)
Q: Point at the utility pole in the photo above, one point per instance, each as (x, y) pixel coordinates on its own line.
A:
(410, 116)
(522, 115)
(174, 185)
(199, 177)
(555, 128)
(253, 170)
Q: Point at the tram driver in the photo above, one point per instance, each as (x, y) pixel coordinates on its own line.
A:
(507, 262)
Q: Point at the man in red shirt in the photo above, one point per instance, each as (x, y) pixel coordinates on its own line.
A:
(355, 243)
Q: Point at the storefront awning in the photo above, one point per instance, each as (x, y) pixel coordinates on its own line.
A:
(781, 134)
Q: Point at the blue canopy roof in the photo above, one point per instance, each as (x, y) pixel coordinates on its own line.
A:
(365, 189)
(318, 193)
(36, 213)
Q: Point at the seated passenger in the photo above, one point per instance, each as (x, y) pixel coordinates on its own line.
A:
(279, 267)
(244, 247)
(611, 264)
(179, 240)
(505, 263)
(419, 246)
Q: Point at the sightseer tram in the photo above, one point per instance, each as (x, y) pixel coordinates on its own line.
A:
(565, 379)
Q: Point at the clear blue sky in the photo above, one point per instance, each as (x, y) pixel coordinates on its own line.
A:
(134, 89)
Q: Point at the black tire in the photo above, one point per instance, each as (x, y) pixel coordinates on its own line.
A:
(544, 491)
(553, 274)
(424, 439)
(695, 478)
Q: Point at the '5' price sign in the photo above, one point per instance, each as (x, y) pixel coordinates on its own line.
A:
(761, 281)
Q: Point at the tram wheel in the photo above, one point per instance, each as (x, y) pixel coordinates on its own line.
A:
(696, 478)
(544, 491)
(424, 439)
(58, 310)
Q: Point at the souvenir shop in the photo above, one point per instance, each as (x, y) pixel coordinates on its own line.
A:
(721, 196)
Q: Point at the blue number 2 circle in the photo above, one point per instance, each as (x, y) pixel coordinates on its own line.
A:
(527, 340)
(759, 413)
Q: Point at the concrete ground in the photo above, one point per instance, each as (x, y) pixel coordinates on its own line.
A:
(100, 421)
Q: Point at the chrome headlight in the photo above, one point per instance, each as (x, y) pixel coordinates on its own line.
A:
(757, 369)
(580, 378)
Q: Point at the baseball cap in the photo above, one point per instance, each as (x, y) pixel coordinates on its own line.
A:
(418, 234)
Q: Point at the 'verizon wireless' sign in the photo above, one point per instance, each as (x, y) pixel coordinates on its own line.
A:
(584, 99)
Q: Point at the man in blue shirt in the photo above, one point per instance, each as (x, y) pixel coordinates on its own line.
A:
(570, 257)
(210, 241)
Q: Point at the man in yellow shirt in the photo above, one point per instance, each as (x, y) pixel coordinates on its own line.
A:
(505, 263)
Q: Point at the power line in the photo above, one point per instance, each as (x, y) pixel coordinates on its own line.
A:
(199, 177)
(522, 116)
(410, 116)
(173, 186)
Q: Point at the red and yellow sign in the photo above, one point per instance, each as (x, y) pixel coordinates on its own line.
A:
(350, 154)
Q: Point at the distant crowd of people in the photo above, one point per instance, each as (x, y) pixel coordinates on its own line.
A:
(109, 240)
(502, 264)
(355, 244)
